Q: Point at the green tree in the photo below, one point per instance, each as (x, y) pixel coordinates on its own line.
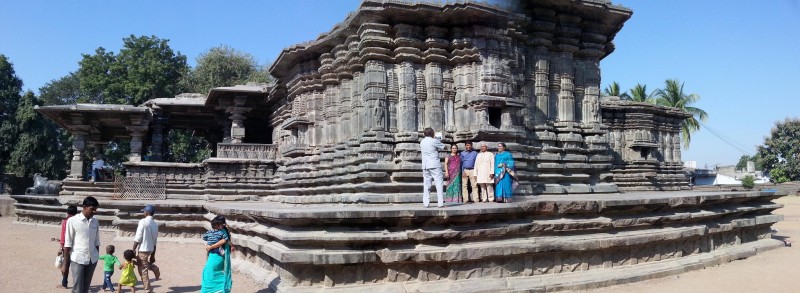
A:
(673, 95)
(780, 153)
(614, 90)
(639, 94)
(742, 164)
(63, 91)
(146, 68)
(37, 148)
(224, 66)
(10, 88)
(185, 147)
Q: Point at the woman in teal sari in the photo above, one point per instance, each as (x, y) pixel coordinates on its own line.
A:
(504, 175)
(217, 272)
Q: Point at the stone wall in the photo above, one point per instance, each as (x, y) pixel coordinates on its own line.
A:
(646, 145)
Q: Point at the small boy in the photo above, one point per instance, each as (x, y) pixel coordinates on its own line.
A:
(215, 235)
(108, 267)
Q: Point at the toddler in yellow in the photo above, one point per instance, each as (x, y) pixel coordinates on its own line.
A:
(128, 277)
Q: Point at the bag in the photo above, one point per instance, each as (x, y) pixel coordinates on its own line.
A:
(59, 261)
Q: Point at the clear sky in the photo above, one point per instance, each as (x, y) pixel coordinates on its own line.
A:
(741, 57)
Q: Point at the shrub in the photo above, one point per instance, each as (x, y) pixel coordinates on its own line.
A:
(749, 182)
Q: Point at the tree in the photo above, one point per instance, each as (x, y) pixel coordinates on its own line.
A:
(146, 68)
(742, 164)
(780, 153)
(224, 66)
(63, 91)
(10, 88)
(37, 148)
(639, 94)
(185, 147)
(614, 90)
(673, 95)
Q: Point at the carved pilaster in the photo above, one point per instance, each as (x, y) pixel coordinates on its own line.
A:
(407, 112)
(541, 90)
(375, 95)
(421, 98)
(566, 97)
(434, 108)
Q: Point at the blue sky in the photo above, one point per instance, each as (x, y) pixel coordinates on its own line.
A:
(741, 57)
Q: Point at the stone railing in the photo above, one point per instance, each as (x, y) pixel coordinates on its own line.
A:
(174, 173)
(246, 151)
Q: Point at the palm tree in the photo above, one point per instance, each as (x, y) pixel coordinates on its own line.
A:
(639, 94)
(674, 96)
(613, 90)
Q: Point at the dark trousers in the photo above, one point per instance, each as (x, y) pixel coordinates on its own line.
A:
(82, 276)
(64, 276)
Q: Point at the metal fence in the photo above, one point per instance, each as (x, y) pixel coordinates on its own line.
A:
(140, 187)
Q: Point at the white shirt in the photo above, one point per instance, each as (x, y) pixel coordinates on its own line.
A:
(429, 149)
(83, 236)
(147, 234)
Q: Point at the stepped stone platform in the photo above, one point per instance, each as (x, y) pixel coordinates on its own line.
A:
(535, 244)
(538, 243)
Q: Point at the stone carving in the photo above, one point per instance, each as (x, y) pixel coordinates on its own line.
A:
(43, 186)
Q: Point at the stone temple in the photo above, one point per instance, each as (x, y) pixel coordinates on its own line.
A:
(319, 172)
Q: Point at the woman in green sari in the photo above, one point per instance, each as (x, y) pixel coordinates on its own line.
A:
(217, 272)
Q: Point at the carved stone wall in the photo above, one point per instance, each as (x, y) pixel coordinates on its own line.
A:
(646, 145)
(481, 74)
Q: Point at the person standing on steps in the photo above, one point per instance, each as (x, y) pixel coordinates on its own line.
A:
(431, 167)
(468, 178)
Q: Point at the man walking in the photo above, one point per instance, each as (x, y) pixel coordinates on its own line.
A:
(431, 167)
(468, 173)
(82, 246)
(145, 245)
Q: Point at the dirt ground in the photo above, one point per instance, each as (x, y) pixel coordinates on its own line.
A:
(27, 254)
(774, 271)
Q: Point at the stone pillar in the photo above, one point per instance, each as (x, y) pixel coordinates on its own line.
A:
(407, 112)
(449, 101)
(237, 122)
(78, 145)
(136, 142)
(331, 114)
(157, 140)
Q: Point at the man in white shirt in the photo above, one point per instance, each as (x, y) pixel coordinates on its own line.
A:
(145, 245)
(431, 167)
(82, 246)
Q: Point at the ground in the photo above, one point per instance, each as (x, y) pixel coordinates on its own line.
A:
(27, 253)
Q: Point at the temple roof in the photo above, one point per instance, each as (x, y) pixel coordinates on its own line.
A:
(99, 122)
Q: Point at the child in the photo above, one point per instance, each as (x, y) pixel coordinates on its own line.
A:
(128, 277)
(108, 267)
(214, 236)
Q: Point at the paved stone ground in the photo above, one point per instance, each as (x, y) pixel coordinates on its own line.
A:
(27, 255)
(773, 271)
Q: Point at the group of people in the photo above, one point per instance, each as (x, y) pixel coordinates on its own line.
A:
(80, 246)
(469, 176)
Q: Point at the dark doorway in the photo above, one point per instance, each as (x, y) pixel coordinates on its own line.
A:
(494, 117)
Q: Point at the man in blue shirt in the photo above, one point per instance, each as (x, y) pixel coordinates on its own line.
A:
(468, 173)
(97, 167)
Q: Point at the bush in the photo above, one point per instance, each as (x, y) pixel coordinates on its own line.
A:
(749, 182)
